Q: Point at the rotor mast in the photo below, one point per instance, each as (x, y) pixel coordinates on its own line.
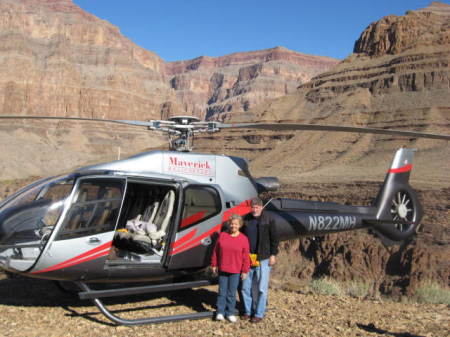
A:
(181, 131)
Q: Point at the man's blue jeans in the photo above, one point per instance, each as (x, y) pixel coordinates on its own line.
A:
(226, 300)
(255, 289)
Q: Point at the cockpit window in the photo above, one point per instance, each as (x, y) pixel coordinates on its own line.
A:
(31, 214)
(54, 189)
(95, 208)
(28, 218)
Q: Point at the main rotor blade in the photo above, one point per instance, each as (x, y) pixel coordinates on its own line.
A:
(214, 126)
(126, 122)
(316, 127)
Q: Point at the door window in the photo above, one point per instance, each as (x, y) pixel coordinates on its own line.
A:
(95, 208)
(200, 203)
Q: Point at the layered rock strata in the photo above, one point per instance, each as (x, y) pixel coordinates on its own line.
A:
(56, 59)
(216, 88)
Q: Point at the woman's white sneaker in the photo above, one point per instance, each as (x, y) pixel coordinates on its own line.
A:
(219, 317)
(232, 318)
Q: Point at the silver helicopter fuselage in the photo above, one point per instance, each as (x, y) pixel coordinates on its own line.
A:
(30, 246)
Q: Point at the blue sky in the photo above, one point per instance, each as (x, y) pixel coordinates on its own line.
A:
(185, 29)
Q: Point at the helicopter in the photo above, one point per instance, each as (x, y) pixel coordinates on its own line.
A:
(156, 215)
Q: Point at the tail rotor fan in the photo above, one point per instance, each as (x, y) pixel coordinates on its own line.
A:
(403, 210)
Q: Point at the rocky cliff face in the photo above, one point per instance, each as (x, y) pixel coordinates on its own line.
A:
(217, 88)
(57, 59)
(406, 87)
(393, 35)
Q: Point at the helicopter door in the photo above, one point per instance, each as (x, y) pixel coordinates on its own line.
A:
(200, 222)
(88, 228)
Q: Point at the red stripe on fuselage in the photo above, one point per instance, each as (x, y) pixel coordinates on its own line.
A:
(87, 256)
(186, 243)
(402, 169)
(196, 241)
(191, 219)
(242, 209)
(185, 238)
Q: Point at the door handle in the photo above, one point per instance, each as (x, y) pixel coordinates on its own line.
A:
(94, 240)
(206, 241)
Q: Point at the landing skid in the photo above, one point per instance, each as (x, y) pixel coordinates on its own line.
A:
(94, 295)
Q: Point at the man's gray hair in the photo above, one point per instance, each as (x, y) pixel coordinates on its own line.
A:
(256, 202)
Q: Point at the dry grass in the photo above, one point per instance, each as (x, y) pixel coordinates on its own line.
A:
(326, 286)
(432, 292)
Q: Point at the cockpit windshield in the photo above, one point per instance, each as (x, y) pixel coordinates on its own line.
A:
(54, 188)
(27, 219)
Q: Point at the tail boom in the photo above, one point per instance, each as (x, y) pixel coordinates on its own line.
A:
(394, 215)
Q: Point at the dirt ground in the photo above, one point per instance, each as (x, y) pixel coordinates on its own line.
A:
(38, 308)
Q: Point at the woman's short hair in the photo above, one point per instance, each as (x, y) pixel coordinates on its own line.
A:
(238, 218)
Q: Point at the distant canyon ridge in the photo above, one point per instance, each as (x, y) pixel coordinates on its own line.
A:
(57, 59)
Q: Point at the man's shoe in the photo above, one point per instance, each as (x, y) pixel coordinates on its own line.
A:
(256, 319)
(232, 318)
(246, 317)
(219, 317)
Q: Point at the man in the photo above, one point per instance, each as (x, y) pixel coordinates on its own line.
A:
(261, 232)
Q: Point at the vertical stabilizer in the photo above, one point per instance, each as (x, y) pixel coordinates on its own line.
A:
(398, 208)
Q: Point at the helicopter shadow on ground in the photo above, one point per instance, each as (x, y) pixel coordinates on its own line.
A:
(28, 292)
(372, 328)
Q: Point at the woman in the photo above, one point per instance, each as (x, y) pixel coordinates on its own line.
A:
(231, 259)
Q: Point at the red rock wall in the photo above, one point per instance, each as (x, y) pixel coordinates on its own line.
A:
(59, 60)
(234, 83)
(56, 59)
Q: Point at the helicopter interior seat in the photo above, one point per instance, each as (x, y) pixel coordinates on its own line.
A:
(78, 220)
(107, 209)
(145, 233)
(156, 229)
(150, 212)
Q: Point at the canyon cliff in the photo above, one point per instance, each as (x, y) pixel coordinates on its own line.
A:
(217, 88)
(57, 59)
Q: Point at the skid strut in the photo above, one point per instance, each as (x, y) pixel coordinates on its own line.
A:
(94, 295)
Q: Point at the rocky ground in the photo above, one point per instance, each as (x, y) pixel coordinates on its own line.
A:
(38, 308)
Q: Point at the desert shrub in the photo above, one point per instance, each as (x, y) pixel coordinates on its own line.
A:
(326, 286)
(358, 289)
(432, 292)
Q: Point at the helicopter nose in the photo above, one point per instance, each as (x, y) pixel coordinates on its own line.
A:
(19, 224)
